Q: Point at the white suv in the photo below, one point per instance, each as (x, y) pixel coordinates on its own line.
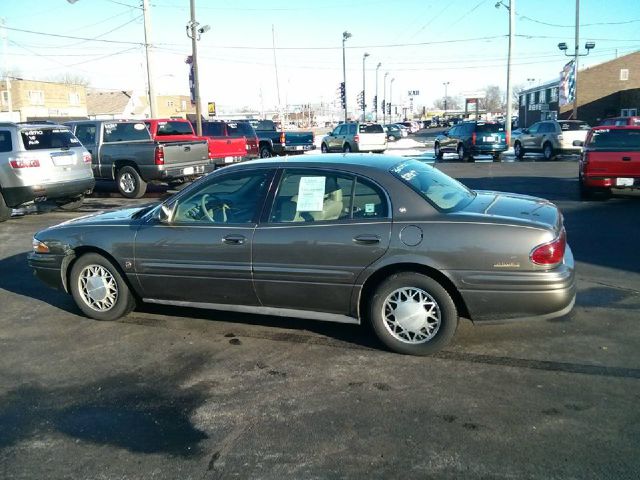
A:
(356, 137)
(42, 162)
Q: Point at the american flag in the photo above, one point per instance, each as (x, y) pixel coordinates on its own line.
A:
(567, 83)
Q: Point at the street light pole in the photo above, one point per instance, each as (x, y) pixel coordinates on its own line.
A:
(147, 35)
(512, 16)
(377, 99)
(384, 94)
(345, 37)
(364, 102)
(446, 84)
(194, 33)
(576, 56)
(391, 100)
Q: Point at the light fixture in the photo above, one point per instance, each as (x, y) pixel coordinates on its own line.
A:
(590, 45)
(562, 46)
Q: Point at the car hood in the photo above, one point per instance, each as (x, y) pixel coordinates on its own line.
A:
(112, 217)
(514, 208)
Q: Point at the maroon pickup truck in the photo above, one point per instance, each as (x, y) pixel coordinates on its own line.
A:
(610, 159)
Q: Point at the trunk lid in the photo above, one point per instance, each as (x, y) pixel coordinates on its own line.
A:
(613, 152)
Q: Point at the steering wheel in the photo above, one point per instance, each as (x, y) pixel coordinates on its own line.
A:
(209, 213)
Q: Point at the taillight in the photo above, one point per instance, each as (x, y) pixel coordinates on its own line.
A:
(24, 163)
(159, 157)
(283, 138)
(551, 253)
(473, 138)
(356, 138)
(86, 157)
(585, 158)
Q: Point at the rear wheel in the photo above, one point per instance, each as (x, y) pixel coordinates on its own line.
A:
(547, 151)
(518, 150)
(346, 148)
(437, 151)
(496, 157)
(413, 314)
(462, 153)
(265, 152)
(130, 183)
(392, 138)
(98, 288)
(5, 212)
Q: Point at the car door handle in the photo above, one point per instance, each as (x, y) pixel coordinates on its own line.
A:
(626, 159)
(233, 239)
(367, 239)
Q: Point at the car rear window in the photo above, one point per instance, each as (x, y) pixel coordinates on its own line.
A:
(240, 129)
(373, 128)
(615, 139)
(5, 141)
(125, 132)
(573, 126)
(439, 189)
(214, 129)
(489, 128)
(266, 125)
(48, 138)
(174, 128)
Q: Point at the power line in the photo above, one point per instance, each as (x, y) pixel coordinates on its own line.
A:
(124, 4)
(71, 37)
(524, 17)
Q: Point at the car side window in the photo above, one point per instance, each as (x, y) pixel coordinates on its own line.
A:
(231, 198)
(312, 196)
(454, 131)
(341, 130)
(369, 201)
(86, 134)
(5, 141)
(534, 128)
(352, 129)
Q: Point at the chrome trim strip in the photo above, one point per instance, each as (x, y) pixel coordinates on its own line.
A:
(276, 312)
(414, 222)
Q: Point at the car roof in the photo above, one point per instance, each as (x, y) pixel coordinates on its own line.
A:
(616, 127)
(26, 125)
(367, 161)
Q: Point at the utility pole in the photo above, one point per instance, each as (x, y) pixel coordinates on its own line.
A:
(345, 37)
(512, 16)
(275, 67)
(377, 98)
(575, 64)
(446, 84)
(147, 47)
(384, 103)
(364, 96)
(7, 78)
(391, 100)
(194, 33)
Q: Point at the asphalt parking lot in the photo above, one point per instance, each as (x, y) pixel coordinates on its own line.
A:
(176, 393)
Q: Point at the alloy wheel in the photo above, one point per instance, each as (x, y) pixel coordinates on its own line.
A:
(127, 182)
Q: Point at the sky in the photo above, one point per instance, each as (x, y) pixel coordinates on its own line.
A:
(420, 43)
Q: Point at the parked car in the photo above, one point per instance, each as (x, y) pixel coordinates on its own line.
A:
(403, 129)
(472, 138)
(551, 138)
(318, 238)
(427, 124)
(355, 137)
(393, 132)
(225, 147)
(620, 121)
(278, 142)
(42, 161)
(123, 151)
(410, 126)
(243, 128)
(610, 159)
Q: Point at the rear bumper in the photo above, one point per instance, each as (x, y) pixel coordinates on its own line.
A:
(370, 148)
(488, 149)
(568, 150)
(16, 196)
(297, 148)
(507, 296)
(610, 182)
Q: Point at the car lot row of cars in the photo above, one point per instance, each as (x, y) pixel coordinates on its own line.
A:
(60, 163)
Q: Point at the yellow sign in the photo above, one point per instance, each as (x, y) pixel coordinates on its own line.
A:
(212, 108)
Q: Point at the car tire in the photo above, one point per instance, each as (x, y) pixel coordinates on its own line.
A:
(518, 150)
(462, 153)
(346, 148)
(392, 138)
(265, 152)
(496, 157)
(324, 148)
(437, 152)
(410, 288)
(115, 300)
(5, 212)
(547, 151)
(130, 183)
(70, 204)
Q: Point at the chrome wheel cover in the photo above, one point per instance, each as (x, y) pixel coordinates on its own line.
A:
(411, 315)
(127, 182)
(436, 150)
(516, 150)
(98, 288)
(461, 152)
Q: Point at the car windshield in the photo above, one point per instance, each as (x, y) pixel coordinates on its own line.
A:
(374, 128)
(48, 138)
(615, 139)
(439, 189)
(573, 126)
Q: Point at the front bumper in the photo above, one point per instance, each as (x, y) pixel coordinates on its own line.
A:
(48, 268)
(16, 196)
(512, 295)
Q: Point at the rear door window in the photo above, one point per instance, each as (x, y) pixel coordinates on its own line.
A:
(6, 145)
(374, 128)
(369, 201)
(352, 129)
(48, 138)
(125, 132)
(240, 129)
(573, 126)
(86, 133)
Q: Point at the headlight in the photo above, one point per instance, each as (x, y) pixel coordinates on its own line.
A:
(39, 247)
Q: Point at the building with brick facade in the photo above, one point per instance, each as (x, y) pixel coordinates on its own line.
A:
(28, 100)
(127, 104)
(609, 89)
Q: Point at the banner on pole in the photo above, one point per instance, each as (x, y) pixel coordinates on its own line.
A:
(192, 83)
(567, 86)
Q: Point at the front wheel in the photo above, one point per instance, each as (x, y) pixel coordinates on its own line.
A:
(323, 148)
(98, 288)
(437, 151)
(518, 150)
(462, 153)
(346, 148)
(130, 183)
(265, 152)
(547, 151)
(391, 138)
(5, 212)
(413, 314)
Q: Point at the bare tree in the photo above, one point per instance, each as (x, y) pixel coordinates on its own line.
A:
(452, 103)
(71, 79)
(517, 90)
(493, 100)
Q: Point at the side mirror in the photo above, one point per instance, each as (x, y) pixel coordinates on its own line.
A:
(446, 133)
(164, 214)
(578, 143)
(330, 133)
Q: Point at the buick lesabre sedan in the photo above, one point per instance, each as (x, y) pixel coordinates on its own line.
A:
(348, 238)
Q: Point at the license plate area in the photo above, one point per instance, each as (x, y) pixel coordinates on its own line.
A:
(63, 160)
(188, 171)
(624, 182)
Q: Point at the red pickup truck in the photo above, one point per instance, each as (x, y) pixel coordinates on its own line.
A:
(610, 159)
(229, 143)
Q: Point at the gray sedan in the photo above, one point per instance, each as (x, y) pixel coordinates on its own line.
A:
(346, 238)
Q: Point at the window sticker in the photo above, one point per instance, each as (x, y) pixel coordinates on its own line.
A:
(311, 194)
(139, 126)
(369, 208)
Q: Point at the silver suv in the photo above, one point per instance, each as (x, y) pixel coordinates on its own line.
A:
(551, 138)
(355, 137)
(42, 162)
